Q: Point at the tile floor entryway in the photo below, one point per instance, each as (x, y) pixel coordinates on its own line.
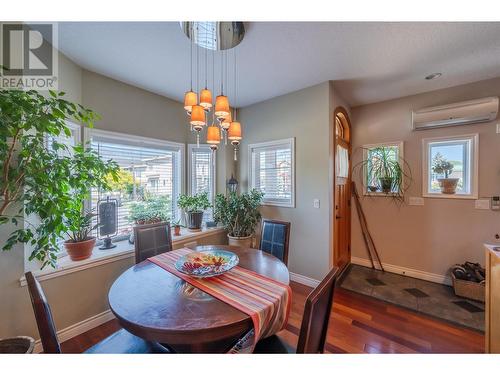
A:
(423, 296)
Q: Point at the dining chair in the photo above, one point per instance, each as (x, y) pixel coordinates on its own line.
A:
(312, 335)
(119, 342)
(151, 240)
(274, 238)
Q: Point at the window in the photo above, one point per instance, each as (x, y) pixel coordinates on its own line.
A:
(373, 154)
(149, 169)
(201, 172)
(460, 155)
(272, 171)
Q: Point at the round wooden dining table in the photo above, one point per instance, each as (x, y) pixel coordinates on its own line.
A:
(156, 305)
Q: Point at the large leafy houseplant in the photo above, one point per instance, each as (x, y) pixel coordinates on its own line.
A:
(385, 171)
(239, 214)
(43, 179)
(194, 206)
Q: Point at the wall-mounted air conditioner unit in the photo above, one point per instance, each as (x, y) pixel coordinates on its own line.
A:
(463, 113)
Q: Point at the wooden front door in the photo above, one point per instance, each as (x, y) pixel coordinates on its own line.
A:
(342, 202)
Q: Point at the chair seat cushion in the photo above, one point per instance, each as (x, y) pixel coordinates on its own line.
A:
(123, 342)
(273, 345)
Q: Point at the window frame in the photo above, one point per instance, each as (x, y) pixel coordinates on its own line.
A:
(213, 167)
(87, 135)
(473, 172)
(251, 172)
(366, 148)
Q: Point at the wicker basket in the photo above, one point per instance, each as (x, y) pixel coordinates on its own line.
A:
(17, 345)
(468, 289)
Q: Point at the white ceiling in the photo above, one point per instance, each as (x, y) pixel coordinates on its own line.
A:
(371, 61)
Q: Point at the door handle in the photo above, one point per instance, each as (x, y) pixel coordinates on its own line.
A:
(338, 217)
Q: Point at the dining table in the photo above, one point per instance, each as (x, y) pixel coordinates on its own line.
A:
(158, 306)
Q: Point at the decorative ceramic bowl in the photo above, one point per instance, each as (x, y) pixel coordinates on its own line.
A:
(206, 263)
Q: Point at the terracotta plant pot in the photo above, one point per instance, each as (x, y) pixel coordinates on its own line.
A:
(80, 250)
(448, 185)
(240, 241)
(194, 220)
(177, 230)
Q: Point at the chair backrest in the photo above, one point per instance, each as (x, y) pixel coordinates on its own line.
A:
(274, 238)
(151, 240)
(43, 316)
(314, 326)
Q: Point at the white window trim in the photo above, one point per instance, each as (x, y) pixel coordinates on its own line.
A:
(474, 176)
(285, 141)
(190, 167)
(400, 145)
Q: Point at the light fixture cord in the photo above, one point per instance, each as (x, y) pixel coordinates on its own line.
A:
(234, 107)
(191, 57)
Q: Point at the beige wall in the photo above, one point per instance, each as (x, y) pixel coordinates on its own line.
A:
(443, 232)
(304, 115)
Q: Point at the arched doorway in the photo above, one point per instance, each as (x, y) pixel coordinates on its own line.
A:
(342, 191)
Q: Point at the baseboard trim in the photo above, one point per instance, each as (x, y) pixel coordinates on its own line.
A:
(301, 279)
(423, 275)
(79, 328)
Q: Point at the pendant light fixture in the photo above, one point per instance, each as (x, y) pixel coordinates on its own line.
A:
(215, 36)
(206, 94)
(190, 97)
(221, 101)
(234, 131)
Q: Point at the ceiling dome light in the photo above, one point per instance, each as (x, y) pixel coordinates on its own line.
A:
(206, 99)
(190, 99)
(433, 76)
(197, 116)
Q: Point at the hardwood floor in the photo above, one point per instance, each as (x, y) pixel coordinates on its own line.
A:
(358, 324)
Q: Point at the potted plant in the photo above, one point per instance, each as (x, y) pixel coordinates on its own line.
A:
(194, 206)
(177, 228)
(41, 179)
(239, 214)
(383, 171)
(152, 210)
(441, 166)
(79, 227)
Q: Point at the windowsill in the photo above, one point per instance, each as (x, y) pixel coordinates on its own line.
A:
(123, 250)
(449, 196)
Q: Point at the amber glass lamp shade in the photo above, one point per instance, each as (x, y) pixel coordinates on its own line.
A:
(213, 135)
(221, 106)
(206, 98)
(190, 99)
(197, 116)
(226, 121)
(234, 132)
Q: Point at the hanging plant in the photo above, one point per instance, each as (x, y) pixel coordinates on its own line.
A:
(384, 171)
(44, 178)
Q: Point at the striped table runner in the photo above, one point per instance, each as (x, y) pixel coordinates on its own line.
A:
(265, 300)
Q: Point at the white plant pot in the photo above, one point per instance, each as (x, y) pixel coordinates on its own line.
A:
(240, 241)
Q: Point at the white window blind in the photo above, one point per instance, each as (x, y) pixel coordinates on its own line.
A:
(272, 171)
(148, 169)
(202, 173)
